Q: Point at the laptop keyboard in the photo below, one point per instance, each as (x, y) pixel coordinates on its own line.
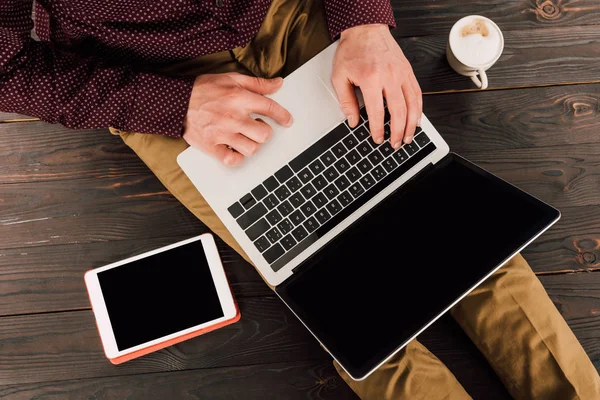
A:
(319, 188)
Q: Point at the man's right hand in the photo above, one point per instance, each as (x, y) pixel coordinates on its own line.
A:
(218, 120)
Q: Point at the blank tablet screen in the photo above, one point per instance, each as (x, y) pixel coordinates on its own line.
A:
(372, 288)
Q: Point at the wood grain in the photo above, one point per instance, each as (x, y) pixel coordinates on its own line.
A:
(294, 380)
(534, 57)
(62, 346)
(416, 18)
(50, 278)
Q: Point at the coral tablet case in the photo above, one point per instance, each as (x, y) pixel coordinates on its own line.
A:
(167, 343)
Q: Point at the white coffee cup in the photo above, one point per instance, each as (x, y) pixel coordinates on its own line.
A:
(475, 43)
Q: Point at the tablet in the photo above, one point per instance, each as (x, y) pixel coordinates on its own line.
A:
(159, 298)
(410, 259)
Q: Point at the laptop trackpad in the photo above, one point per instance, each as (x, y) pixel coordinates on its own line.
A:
(386, 277)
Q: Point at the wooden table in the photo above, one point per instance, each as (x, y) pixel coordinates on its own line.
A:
(74, 200)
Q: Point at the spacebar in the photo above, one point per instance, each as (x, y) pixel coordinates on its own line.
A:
(355, 205)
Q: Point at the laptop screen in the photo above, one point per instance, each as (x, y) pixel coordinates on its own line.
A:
(381, 281)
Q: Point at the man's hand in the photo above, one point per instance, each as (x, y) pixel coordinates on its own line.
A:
(369, 57)
(218, 120)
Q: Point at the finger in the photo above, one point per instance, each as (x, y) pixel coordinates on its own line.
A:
(256, 130)
(240, 143)
(413, 113)
(419, 95)
(397, 107)
(373, 97)
(227, 156)
(345, 91)
(262, 105)
(258, 85)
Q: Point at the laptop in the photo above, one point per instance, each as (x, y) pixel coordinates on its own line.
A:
(366, 245)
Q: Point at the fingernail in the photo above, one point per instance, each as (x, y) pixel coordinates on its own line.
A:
(351, 121)
(290, 122)
(279, 79)
(379, 140)
(397, 145)
(419, 122)
(408, 139)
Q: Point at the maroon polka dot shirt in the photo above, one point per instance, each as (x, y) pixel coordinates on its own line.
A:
(92, 65)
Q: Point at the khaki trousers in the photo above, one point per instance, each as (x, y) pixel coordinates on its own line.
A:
(509, 317)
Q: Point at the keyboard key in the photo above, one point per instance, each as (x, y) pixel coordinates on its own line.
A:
(378, 172)
(297, 217)
(262, 244)
(365, 166)
(294, 184)
(319, 182)
(274, 235)
(316, 167)
(342, 183)
(353, 157)
(282, 193)
(274, 217)
(375, 157)
(342, 165)
(308, 208)
(367, 181)
(297, 199)
(389, 164)
(356, 190)
(322, 216)
(345, 198)
(288, 242)
(339, 150)
(248, 201)
(285, 208)
(327, 158)
(323, 144)
(308, 191)
(400, 156)
(386, 116)
(284, 174)
(353, 174)
(273, 253)
(334, 207)
(271, 201)
(331, 173)
(252, 215)
(363, 114)
(285, 226)
(271, 183)
(350, 141)
(259, 192)
(305, 175)
(422, 139)
(331, 191)
(387, 132)
(386, 149)
(236, 210)
(311, 224)
(361, 133)
(411, 148)
(319, 200)
(256, 230)
(299, 233)
(364, 148)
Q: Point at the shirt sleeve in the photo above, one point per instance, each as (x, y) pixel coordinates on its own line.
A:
(344, 14)
(40, 80)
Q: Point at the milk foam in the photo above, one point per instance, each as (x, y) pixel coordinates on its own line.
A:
(474, 49)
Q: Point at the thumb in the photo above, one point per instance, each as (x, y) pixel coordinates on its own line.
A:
(347, 98)
(258, 85)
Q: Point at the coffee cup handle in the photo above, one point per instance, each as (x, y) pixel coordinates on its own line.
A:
(483, 84)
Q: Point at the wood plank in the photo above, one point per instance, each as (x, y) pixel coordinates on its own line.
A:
(14, 117)
(290, 381)
(489, 121)
(415, 17)
(50, 278)
(534, 57)
(62, 346)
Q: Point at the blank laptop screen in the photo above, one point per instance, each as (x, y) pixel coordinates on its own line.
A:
(382, 280)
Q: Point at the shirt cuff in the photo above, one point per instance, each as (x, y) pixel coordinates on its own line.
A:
(160, 105)
(344, 14)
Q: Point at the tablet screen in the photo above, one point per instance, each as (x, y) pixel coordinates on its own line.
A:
(386, 277)
(160, 295)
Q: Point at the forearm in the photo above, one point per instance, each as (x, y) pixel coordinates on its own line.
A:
(344, 14)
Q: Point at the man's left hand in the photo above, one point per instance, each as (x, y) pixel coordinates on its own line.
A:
(369, 57)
